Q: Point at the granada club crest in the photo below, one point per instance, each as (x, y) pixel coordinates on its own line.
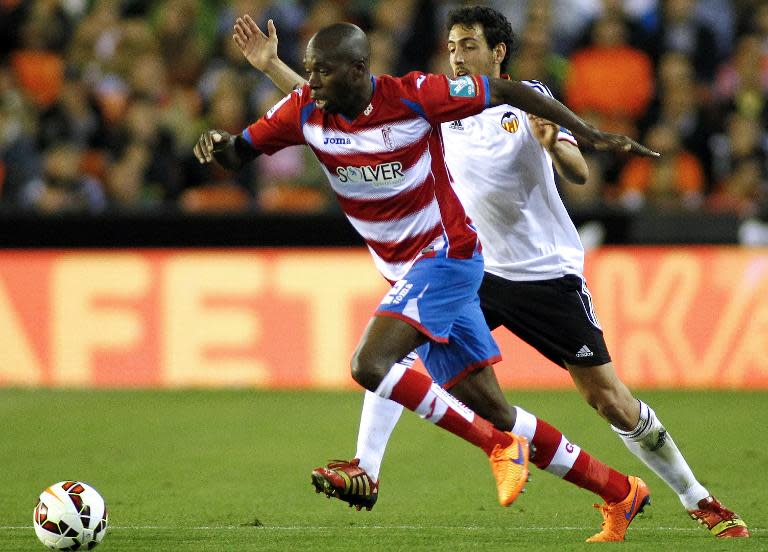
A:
(510, 122)
(386, 133)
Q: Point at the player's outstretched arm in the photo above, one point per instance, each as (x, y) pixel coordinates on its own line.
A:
(231, 152)
(261, 52)
(526, 98)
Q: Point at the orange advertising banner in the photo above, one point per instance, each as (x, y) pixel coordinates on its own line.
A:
(290, 318)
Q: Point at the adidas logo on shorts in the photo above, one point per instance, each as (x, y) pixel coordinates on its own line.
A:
(584, 352)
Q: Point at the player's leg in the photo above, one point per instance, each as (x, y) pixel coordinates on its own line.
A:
(377, 421)
(356, 481)
(422, 311)
(602, 389)
(557, 318)
(648, 439)
(639, 427)
(624, 496)
(374, 368)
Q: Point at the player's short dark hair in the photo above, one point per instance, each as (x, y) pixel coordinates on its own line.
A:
(496, 27)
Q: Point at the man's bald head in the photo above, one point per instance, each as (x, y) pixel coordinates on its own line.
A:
(342, 42)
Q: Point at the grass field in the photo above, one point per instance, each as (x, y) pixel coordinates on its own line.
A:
(229, 471)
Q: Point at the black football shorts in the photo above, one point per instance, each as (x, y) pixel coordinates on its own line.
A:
(555, 317)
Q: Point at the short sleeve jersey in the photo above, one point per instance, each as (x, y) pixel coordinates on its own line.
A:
(506, 182)
(386, 166)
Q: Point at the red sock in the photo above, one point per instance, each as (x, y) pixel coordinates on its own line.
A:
(556, 455)
(419, 393)
(590, 473)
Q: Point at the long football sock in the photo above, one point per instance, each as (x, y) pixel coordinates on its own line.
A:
(568, 461)
(377, 421)
(419, 393)
(651, 443)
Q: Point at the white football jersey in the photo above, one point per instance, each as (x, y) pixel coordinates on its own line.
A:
(505, 179)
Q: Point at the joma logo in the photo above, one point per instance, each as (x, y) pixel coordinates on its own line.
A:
(337, 141)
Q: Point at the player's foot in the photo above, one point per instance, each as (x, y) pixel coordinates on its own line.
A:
(346, 481)
(720, 521)
(618, 516)
(510, 468)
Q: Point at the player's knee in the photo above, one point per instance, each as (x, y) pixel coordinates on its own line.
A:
(615, 407)
(366, 371)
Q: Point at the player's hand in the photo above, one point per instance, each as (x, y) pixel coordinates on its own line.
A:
(544, 131)
(607, 141)
(259, 49)
(210, 141)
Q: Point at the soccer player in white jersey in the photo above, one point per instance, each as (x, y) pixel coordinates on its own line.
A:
(533, 282)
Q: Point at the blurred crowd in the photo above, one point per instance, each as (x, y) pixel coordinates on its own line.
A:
(101, 101)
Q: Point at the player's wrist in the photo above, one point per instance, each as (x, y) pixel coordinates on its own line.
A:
(273, 66)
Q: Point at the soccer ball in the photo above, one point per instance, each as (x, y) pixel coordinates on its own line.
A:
(70, 515)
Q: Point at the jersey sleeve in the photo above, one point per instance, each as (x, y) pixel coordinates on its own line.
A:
(563, 133)
(439, 99)
(280, 127)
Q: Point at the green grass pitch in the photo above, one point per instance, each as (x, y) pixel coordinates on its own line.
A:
(229, 471)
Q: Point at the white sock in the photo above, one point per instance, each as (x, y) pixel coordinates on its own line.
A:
(377, 421)
(651, 443)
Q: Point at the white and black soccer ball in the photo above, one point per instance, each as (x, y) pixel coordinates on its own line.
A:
(70, 515)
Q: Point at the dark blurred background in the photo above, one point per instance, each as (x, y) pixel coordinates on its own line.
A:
(101, 102)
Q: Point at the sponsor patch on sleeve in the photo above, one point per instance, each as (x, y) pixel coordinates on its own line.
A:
(463, 87)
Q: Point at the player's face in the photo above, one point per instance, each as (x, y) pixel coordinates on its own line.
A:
(329, 81)
(469, 52)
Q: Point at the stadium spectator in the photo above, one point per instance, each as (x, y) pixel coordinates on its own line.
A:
(38, 62)
(675, 182)
(742, 82)
(63, 189)
(610, 80)
(739, 157)
(94, 46)
(535, 59)
(678, 103)
(12, 16)
(680, 30)
(71, 118)
(411, 25)
(743, 190)
(142, 173)
(721, 18)
(187, 26)
(634, 18)
(20, 161)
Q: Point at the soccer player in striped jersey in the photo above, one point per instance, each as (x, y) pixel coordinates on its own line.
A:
(502, 163)
(378, 140)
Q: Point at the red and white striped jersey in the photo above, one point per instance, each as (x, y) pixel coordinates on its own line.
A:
(387, 166)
